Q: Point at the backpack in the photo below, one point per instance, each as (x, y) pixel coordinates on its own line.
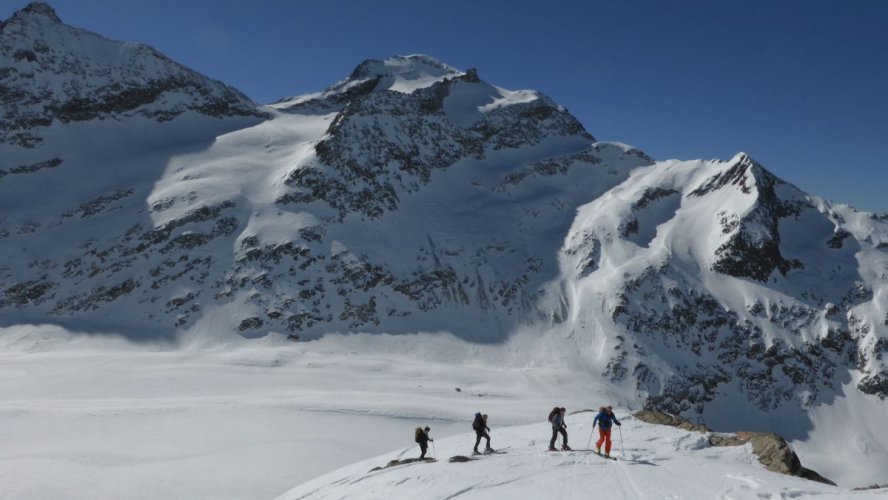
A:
(555, 411)
(605, 420)
(419, 433)
(478, 424)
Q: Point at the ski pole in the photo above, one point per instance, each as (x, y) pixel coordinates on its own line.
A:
(623, 450)
(434, 451)
(590, 440)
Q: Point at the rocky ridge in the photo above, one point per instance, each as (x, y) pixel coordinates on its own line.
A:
(772, 450)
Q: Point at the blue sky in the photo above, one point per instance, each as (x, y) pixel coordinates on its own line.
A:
(802, 86)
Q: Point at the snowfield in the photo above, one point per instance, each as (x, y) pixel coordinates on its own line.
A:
(93, 417)
(659, 462)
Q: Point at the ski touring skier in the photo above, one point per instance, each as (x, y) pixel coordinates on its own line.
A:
(422, 438)
(481, 429)
(556, 418)
(605, 420)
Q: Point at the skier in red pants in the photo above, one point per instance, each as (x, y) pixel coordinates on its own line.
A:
(605, 419)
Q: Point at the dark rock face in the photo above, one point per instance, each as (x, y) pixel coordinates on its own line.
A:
(668, 312)
(384, 145)
(50, 72)
(753, 249)
(30, 169)
(103, 269)
(876, 384)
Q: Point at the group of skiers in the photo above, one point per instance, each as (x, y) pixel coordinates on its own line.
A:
(605, 420)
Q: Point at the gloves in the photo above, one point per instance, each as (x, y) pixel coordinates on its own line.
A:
(619, 424)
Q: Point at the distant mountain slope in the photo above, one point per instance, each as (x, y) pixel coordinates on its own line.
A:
(718, 278)
(52, 74)
(409, 196)
(138, 196)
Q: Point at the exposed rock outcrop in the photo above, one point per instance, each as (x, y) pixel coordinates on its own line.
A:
(772, 450)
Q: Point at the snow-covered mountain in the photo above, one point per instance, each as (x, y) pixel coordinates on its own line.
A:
(138, 196)
(54, 74)
(396, 198)
(722, 275)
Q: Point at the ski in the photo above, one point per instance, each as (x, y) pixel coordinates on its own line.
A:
(498, 451)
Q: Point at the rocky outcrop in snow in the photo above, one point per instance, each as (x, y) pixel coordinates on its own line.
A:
(772, 450)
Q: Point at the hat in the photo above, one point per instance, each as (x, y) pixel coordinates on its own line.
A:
(428, 428)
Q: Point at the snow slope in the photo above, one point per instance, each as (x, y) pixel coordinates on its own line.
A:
(92, 416)
(659, 462)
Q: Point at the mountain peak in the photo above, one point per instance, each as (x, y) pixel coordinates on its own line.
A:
(742, 157)
(54, 72)
(408, 67)
(402, 73)
(34, 10)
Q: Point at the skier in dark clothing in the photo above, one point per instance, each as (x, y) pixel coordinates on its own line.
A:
(558, 425)
(422, 438)
(605, 419)
(480, 426)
